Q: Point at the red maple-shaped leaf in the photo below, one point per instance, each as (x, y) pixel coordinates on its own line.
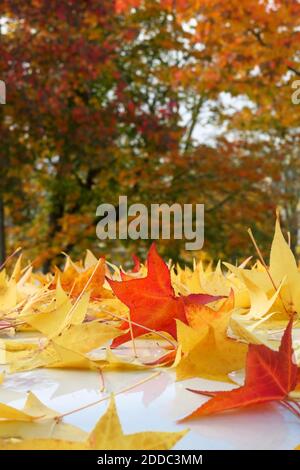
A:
(270, 376)
(127, 276)
(152, 301)
(137, 264)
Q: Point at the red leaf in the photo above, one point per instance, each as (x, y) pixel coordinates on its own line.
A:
(201, 299)
(166, 359)
(136, 268)
(270, 376)
(137, 264)
(152, 301)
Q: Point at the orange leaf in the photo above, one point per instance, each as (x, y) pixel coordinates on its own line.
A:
(200, 316)
(74, 282)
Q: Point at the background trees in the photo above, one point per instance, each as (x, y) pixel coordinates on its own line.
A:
(106, 101)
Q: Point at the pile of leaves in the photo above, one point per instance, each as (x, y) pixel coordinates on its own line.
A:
(207, 322)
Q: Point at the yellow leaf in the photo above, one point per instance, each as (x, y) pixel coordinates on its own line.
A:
(78, 312)
(247, 330)
(207, 350)
(283, 264)
(90, 260)
(54, 356)
(17, 271)
(117, 362)
(70, 359)
(8, 412)
(260, 303)
(35, 420)
(52, 322)
(86, 337)
(213, 358)
(34, 407)
(274, 289)
(8, 292)
(68, 350)
(12, 430)
(107, 435)
(189, 337)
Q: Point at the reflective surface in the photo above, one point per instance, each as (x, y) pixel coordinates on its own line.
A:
(155, 405)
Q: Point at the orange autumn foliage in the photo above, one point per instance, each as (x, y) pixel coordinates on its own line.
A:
(199, 316)
(92, 279)
(152, 301)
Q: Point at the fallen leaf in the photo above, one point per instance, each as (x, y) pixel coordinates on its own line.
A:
(35, 420)
(92, 279)
(106, 435)
(56, 318)
(8, 292)
(283, 265)
(270, 376)
(87, 336)
(152, 301)
(207, 350)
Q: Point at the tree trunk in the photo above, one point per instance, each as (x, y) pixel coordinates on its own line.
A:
(2, 232)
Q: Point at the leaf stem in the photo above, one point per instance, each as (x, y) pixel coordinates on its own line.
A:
(10, 257)
(124, 390)
(84, 289)
(289, 407)
(174, 345)
(267, 269)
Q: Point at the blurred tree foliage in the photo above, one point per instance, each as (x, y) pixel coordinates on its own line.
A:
(104, 99)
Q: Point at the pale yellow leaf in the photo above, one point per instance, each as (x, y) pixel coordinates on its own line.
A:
(106, 435)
